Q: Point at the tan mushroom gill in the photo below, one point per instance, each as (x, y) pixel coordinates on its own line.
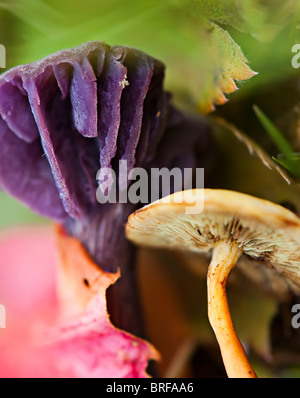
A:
(227, 223)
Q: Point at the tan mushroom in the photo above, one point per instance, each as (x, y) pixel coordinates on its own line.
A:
(229, 224)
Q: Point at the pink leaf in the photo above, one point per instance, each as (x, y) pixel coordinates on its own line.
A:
(64, 335)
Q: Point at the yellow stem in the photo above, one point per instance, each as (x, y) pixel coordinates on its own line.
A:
(225, 256)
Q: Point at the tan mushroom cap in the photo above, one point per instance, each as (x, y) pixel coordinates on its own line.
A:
(265, 230)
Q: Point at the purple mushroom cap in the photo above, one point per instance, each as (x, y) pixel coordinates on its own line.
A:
(65, 116)
(68, 115)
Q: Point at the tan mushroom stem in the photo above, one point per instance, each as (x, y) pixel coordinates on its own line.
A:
(225, 256)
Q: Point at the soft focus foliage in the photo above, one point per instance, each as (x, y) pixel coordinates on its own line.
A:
(186, 35)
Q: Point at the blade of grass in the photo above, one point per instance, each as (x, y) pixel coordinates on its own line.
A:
(282, 144)
(287, 158)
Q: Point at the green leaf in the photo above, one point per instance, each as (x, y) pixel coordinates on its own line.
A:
(247, 16)
(290, 164)
(227, 65)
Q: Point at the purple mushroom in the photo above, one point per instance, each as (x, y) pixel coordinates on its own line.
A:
(68, 115)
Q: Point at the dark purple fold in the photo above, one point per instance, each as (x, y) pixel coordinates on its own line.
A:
(139, 74)
(54, 118)
(154, 118)
(25, 174)
(110, 88)
(15, 110)
(63, 74)
(88, 158)
(83, 94)
(186, 143)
